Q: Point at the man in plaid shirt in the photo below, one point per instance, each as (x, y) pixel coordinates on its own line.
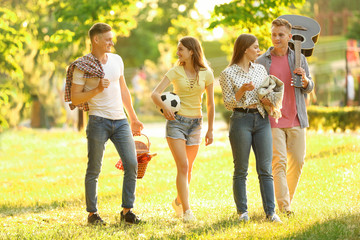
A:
(96, 83)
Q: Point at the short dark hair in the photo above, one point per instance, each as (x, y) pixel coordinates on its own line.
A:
(281, 22)
(99, 28)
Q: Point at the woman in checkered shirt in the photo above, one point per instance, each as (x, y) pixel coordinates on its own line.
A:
(249, 124)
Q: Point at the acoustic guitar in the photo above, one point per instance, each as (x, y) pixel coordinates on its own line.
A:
(305, 33)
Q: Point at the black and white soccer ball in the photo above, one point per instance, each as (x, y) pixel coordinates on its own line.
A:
(171, 100)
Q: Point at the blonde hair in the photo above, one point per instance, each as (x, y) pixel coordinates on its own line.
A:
(281, 22)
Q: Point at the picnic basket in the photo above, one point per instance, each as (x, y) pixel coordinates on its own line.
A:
(142, 146)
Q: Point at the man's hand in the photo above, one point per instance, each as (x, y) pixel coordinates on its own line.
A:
(304, 81)
(136, 127)
(103, 83)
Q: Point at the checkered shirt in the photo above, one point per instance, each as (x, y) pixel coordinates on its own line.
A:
(91, 67)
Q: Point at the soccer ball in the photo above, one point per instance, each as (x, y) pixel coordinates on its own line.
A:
(171, 100)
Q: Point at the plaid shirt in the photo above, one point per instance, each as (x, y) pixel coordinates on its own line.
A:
(91, 67)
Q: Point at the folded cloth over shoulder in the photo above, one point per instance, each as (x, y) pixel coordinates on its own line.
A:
(272, 88)
(91, 67)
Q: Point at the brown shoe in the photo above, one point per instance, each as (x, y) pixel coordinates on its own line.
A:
(95, 219)
(289, 213)
(129, 218)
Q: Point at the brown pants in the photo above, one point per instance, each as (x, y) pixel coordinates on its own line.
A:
(289, 148)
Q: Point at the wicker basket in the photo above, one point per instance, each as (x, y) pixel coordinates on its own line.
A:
(142, 145)
(141, 168)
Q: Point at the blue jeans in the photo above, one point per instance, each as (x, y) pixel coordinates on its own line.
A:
(98, 131)
(252, 130)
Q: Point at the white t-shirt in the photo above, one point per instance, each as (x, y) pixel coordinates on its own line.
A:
(107, 104)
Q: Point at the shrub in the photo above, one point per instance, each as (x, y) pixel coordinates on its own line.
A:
(333, 118)
(325, 118)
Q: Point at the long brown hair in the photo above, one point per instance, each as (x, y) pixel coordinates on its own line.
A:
(243, 42)
(198, 58)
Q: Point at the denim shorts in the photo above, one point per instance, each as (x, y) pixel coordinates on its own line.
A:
(188, 129)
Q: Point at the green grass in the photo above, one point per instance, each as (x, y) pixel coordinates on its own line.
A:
(42, 191)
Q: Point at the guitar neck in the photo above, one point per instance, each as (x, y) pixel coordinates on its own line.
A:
(297, 48)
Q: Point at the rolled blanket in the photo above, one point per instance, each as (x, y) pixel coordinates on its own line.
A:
(272, 88)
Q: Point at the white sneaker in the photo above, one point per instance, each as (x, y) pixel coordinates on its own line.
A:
(274, 218)
(244, 217)
(178, 209)
(188, 216)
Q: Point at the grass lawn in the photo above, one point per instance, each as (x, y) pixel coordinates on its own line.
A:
(42, 191)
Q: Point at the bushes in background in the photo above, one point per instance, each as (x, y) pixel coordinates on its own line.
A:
(333, 118)
(324, 118)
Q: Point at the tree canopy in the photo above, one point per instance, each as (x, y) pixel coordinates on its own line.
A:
(38, 39)
(251, 16)
(248, 13)
(155, 19)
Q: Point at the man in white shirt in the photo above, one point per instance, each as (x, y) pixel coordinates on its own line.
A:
(96, 82)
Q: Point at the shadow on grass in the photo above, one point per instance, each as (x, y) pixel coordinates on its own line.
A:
(347, 227)
(8, 209)
(344, 227)
(218, 226)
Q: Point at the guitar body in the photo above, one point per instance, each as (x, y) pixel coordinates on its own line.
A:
(309, 33)
(305, 33)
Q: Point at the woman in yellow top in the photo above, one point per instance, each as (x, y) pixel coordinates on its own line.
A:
(190, 78)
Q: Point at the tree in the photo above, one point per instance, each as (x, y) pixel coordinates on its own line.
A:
(251, 16)
(153, 43)
(12, 39)
(336, 5)
(154, 21)
(56, 35)
(354, 30)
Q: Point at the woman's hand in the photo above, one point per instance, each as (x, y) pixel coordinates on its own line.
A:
(209, 138)
(247, 87)
(244, 88)
(266, 102)
(168, 114)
